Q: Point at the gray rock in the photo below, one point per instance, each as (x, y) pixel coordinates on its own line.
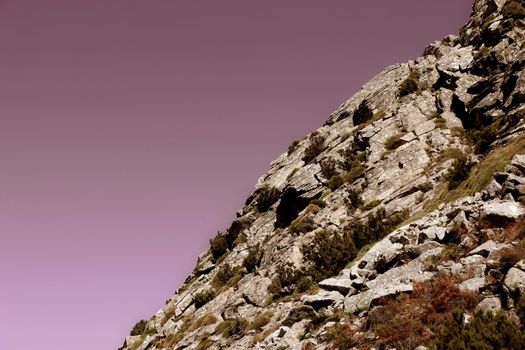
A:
(515, 281)
(491, 304)
(362, 301)
(488, 247)
(499, 212)
(341, 285)
(322, 299)
(472, 285)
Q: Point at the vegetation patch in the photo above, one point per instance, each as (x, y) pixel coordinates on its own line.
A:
(394, 141)
(231, 328)
(261, 320)
(218, 247)
(372, 204)
(202, 298)
(513, 9)
(266, 197)
(253, 260)
(314, 148)
(302, 224)
(409, 85)
(328, 167)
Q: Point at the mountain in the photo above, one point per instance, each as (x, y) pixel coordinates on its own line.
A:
(399, 223)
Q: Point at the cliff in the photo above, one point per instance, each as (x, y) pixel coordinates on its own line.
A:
(397, 224)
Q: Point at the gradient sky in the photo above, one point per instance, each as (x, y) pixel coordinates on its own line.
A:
(131, 131)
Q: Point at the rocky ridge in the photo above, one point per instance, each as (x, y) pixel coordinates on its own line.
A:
(418, 178)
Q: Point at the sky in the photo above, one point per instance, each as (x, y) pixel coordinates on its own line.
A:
(131, 131)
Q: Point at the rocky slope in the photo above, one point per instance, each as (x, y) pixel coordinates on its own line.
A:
(400, 216)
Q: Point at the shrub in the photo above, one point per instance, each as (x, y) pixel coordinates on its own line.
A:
(353, 200)
(218, 247)
(223, 275)
(483, 138)
(510, 256)
(328, 167)
(284, 283)
(204, 341)
(203, 297)
(235, 229)
(314, 148)
(372, 204)
(335, 182)
(261, 320)
(483, 331)
(362, 114)
(425, 186)
(302, 224)
(139, 327)
(328, 253)
(266, 197)
(394, 141)
(513, 9)
(409, 85)
(406, 322)
(204, 321)
(459, 171)
(293, 146)
(253, 260)
(230, 328)
(355, 172)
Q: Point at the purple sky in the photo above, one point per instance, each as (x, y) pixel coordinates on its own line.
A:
(131, 131)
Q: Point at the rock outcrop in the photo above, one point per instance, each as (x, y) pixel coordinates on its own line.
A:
(419, 175)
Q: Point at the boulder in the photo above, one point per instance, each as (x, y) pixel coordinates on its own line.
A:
(500, 213)
(491, 304)
(341, 285)
(515, 281)
(322, 299)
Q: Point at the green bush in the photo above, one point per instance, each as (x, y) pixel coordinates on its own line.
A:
(218, 247)
(285, 281)
(513, 9)
(266, 196)
(314, 148)
(293, 146)
(139, 327)
(253, 260)
(353, 200)
(335, 182)
(261, 320)
(483, 138)
(302, 224)
(328, 167)
(226, 275)
(203, 298)
(483, 331)
(459, 171)
(233, 327)
(393, 141)
(328, 253)
(409, 85)
(372, 204)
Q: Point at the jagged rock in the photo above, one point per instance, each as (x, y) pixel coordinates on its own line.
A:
(363, 300)
(323, 299)
(487, 248)
(341, 285)
(299, 313)
(502, 212)
(472, 285)
(251, 288)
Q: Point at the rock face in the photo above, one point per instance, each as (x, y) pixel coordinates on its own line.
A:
(420, 174)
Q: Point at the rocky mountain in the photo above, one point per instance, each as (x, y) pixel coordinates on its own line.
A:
(399, 223)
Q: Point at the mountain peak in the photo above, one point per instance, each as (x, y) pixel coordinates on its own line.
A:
(388, 226)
